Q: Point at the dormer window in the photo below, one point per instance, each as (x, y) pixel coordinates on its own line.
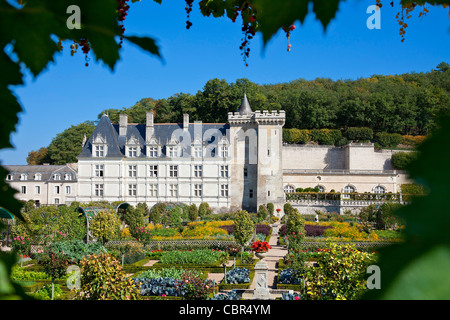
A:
(198, 151)
(132, 152)
(172, 152)
(9, 177)
(133, 148)
(152, 152)
(57, 176)
(23, 177)
(38, 176)
(68, 176)
(99, 147)
(99, 151)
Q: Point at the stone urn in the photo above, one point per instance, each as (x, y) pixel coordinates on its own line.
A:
(261, 255)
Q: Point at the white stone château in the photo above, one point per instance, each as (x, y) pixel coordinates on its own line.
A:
(240, 164)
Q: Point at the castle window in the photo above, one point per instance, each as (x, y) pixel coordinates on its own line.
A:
(153, 190)
(321, 189)
(132, 189)
(245, 172)
(153, 152)
(198, 171)
(198, 152)
(173, 171)
(153, 171)
(23, 177)
(173, 152)
(349, 189)
(99, 151)
(9, 177)
(37, 190)
(224, 152)
(173, 190)
(56, 201)
(224, 171)
(224, 190)
(56, 189)
(57, 176)
(288, 189)
(99, 190)
(99, 170)
(68, 176)
(379, 189)
(132, 152)
(37, 176)
(250, 193)
(23, 189)
(68, 190)
(198, 188)
(132, 170)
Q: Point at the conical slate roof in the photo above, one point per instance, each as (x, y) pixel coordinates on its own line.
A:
(245, 106)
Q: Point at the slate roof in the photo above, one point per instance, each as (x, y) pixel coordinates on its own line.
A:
(245, 106)
(162, 133)
(46, 171)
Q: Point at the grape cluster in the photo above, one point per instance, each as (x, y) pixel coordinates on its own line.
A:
(188, 11)
(288, 34)
(85, 47)
(122, 12)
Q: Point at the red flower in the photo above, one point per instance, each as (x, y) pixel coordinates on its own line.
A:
(260, 246)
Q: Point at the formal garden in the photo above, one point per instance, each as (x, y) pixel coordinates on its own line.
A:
(174, 251)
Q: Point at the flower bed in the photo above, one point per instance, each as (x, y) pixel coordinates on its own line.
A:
(237, 278)
(197, 257)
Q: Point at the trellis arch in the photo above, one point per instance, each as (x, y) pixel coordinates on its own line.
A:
(89, 213)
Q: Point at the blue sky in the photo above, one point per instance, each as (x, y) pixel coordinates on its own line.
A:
(69, 93)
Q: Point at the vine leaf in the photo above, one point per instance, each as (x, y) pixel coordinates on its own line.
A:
(274, 15)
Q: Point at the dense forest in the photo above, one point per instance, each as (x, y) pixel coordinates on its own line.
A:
(405, 104)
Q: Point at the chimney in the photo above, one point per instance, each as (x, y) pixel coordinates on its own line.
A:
(185, 121)
(149, 125)
(123, 123)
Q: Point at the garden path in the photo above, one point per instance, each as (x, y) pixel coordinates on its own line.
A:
(273, 256)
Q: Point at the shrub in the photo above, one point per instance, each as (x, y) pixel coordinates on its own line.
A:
(359, 134)
(75, 250)
(103, 278)
(296, 136)
(194, 287)
(232, 295)
(45, 293)
(197, 257)
(270, 208)
(401, 160)
(105, 226)
(413, 141)
(175, 273)
(340, 273)
(204, 210)
(388, 140)
(262, 213)
(192, 212)
(326, 136)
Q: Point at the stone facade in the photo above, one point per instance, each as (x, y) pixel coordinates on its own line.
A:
(44, 184)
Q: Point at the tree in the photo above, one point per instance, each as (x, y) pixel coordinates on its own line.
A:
(243, 228)
(192, 212)
(262, 213)
(134, 218)
(204, 210)
(38, 157)
(66, 146)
